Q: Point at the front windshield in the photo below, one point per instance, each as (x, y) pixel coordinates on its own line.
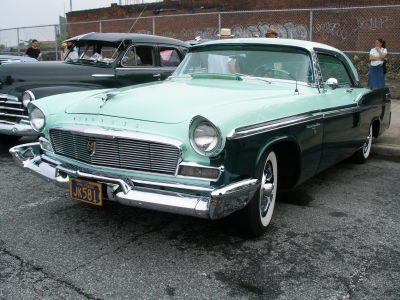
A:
(92, 52)
(273, 62)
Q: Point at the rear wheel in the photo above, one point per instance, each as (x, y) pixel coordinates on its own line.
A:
(256, 216)
(363, 153)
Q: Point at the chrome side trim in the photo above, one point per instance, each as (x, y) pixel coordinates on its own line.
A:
(275, 124)
(212, 205)
(340, 112)
(152, 68)
(103, 75)
(255, 129)
(110, 133)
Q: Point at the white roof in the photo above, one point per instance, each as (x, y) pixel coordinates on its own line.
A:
(273, 41)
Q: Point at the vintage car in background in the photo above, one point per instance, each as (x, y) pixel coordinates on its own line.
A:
(6, 59)
(95, 60)
(238, 120)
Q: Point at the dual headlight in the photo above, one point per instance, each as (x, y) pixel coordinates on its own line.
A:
(27, 97)
(205, 137)
(37, 118)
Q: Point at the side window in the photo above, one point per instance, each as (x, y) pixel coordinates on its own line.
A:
(332, 67)
(169, 57)
(139, 56)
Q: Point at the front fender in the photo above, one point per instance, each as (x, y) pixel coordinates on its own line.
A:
(42, 92)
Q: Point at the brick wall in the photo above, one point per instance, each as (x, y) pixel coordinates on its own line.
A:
(349, 30)
(198, 6)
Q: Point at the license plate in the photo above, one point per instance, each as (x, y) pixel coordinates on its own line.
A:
(85, 191)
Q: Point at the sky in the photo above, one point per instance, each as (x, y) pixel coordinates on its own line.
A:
(20, 13)
(29, 13)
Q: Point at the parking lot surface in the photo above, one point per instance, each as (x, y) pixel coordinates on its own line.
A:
(335, 237)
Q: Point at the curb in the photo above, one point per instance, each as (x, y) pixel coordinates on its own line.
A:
(386, 150)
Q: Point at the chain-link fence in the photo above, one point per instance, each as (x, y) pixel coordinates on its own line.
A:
(352, 30)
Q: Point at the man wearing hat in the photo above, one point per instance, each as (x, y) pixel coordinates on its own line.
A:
(271, 33)
(225, 33)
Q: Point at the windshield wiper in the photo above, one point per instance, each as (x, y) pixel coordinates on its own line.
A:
(253, 77)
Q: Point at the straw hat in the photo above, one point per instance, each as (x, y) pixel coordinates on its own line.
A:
(272, 31)
(225, 33)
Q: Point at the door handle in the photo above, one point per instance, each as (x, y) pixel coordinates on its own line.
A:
(157, 75)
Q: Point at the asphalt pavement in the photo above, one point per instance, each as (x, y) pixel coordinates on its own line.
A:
(335, 237)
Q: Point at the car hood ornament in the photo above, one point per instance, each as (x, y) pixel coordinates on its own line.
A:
(107, 96)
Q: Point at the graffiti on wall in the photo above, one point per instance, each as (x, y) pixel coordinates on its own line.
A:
(345, 30)
(287, 30)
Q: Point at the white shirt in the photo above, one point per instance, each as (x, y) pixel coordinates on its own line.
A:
(375, 53)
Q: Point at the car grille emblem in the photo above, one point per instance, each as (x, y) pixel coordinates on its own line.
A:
(91, 147)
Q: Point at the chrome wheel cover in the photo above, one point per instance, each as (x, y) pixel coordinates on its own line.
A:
(268, 187)
(366, 148)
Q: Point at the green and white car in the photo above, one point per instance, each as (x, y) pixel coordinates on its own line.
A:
(239, 120)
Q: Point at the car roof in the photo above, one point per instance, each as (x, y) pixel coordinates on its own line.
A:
(271, 41)
(120, 37)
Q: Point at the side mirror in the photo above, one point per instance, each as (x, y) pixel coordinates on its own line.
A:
(332, 83)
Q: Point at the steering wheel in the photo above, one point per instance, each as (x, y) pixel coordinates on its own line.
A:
(266, 71)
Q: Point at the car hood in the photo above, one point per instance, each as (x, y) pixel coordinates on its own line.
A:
(177, 100)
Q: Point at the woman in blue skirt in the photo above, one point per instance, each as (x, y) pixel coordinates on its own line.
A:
(376, 77)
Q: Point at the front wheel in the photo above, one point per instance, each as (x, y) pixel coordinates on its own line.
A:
(363, 153)
(256, 216)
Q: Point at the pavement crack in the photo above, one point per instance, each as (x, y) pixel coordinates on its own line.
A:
(124, 245)
(47, 275)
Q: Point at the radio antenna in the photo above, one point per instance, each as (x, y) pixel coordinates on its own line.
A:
(133, 26)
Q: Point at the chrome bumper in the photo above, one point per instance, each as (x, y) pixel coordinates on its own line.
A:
(212, 203)
(16, 129)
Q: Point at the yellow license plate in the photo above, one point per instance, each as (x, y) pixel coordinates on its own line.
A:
(89, 192)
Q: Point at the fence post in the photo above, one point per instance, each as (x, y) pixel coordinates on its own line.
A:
(154, 25)
(18, 41)
(219, 23)
(100, 26)
(311, 24)
(56, 35)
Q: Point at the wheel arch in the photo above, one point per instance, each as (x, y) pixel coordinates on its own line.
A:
(288, 154)
(376, 127)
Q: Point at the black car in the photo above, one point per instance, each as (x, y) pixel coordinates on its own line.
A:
(94, 61)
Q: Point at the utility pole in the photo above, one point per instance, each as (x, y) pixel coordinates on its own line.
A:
(70, 5)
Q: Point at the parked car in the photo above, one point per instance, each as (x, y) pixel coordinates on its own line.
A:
(5, 59)
(225, 143)
(95, 60)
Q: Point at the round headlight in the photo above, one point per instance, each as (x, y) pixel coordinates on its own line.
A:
(27, 97)
(205, 138)
(37, 119)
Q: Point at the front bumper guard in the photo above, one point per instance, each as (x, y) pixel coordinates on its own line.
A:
(215, 204)
(16, 129)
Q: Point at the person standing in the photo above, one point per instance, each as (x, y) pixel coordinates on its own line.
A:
(377, 55)
(33, 51)
(64, 50)
(271, 33)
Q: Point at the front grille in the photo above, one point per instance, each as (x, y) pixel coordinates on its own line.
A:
(116, 152)
(11, 109)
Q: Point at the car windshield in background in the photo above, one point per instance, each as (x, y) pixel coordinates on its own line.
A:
(90, 53)
(283, 63)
